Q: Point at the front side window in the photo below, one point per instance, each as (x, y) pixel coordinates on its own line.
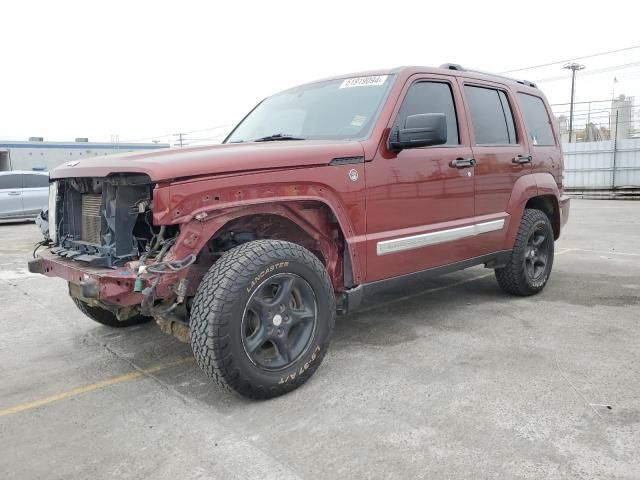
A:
(430, 97)
(10, 182)
(35, 181)
(330, 110)
(536, 119)
(491, 116)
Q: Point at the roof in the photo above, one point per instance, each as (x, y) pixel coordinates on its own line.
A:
(444, 69)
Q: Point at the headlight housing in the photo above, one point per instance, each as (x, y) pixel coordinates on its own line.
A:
(53, 217)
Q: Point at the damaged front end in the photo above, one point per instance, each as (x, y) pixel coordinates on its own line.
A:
(103, 222)
(103, 242)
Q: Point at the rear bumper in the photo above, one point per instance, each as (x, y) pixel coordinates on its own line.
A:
(109, 286)
(565, 206)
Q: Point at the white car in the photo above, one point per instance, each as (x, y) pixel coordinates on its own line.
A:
(23, 194)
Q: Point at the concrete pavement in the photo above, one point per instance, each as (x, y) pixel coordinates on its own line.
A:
(449, 379)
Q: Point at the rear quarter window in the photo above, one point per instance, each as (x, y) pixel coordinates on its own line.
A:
(536, 119)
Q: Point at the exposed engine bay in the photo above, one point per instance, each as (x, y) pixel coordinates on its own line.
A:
(106, 222)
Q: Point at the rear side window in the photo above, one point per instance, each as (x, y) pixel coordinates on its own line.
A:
(10, 182)
(491, 116)
(35, 181)
(537, 120)
(431, 97)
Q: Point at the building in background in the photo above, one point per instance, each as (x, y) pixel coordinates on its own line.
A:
(562, 123)
(594, 123)
(36, 154)
(622, 112)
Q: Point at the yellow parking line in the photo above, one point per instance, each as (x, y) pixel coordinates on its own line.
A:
(127, 377)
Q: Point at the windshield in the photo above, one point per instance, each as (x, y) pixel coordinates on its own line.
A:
(331, 110)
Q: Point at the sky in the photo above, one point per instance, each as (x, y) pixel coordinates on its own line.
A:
(145, 70)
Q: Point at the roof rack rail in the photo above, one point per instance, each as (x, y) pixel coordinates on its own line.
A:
(452, 66)
(460, 68)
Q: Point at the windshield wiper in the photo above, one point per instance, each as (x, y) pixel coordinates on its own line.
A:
(278, 137)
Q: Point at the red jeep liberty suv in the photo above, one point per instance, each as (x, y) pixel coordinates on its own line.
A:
(320, 197)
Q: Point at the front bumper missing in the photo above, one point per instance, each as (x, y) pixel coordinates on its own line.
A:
(113, 287)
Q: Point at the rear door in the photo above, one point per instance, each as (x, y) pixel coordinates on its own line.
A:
(11, 195)
(35, 193)
(501, 152)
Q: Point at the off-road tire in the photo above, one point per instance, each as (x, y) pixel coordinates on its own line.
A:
(105, 317)
(220, 304)
(513, 278)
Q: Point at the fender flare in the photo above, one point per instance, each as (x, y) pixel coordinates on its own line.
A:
(524, 189)
(203, 224)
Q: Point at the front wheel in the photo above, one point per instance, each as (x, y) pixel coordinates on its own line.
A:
(531, 260)
(262, 318)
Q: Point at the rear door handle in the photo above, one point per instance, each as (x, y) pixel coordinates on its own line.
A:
(522, 159)
(462, 163)
(14, 193)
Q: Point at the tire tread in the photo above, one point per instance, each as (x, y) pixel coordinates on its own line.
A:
(511, 277)
(211, 313)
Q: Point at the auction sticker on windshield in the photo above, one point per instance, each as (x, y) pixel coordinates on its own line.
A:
(371, 81)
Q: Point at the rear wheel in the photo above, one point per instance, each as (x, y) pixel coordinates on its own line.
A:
(531, 258)
(105, 317)
(262, 318)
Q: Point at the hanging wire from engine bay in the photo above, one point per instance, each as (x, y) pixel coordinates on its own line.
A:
(159, 268)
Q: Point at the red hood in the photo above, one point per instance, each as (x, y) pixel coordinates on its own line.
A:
(172, 163)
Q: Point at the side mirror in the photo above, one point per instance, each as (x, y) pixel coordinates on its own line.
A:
(420, 130)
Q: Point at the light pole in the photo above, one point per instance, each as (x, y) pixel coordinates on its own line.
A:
(573, 67)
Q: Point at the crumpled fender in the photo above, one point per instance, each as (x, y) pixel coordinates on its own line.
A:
(203, 208)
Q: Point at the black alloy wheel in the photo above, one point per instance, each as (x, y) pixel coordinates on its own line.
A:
(279, 321)
(537, 253)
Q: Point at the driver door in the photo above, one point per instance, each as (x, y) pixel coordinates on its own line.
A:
(418, 202)
(11, 195)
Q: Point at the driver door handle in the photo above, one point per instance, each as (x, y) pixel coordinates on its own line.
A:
(462, 163)
(14, 193)
(522, 159)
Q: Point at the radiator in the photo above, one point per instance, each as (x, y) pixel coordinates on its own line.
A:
(91, 218)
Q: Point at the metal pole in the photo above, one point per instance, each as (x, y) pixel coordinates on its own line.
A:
(588, 129)
(573, 67)
(615, 151)
(573, 87)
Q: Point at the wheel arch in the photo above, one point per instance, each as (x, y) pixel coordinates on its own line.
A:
(535, 190)
(310, 223)
(549, 205)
